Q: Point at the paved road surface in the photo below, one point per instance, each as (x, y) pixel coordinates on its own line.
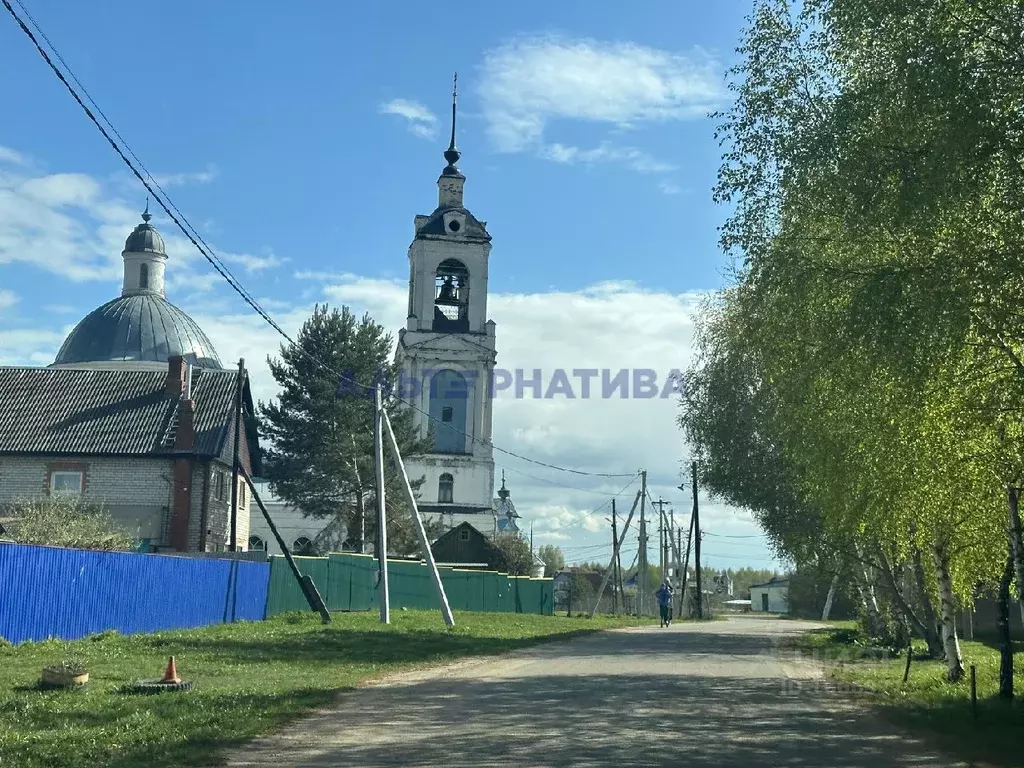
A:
(716, 694)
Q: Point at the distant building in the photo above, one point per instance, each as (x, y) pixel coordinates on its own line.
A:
(770, 597)
(303, 535)
(465, 544)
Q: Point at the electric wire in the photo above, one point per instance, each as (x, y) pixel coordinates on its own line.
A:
(224, 272)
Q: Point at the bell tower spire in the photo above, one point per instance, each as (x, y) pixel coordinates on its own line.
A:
(451, 182)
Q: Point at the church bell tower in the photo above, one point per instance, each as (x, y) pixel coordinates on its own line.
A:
(446, 354)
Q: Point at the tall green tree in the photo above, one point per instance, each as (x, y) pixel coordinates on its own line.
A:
(554, 560)
(320, 429)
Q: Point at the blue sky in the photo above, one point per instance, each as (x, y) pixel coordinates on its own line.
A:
(301, 141)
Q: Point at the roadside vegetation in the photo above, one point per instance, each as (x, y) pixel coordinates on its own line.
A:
(249, 678)
(859, 384)
(927, 704)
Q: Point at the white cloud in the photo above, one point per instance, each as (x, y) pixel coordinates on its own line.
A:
(420, 120)
(179, 179)
(534, 81)
(252, 263)
(631, 157)
(8, 155)
(69, 225)
(7, 299)
(669, 188)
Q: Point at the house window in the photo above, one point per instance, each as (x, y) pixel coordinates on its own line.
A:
(446, 413)
(464, 534)
(66, 482)
(241, 493)
(257, 544)
(445, 489)
(302, 546)
(218, 486)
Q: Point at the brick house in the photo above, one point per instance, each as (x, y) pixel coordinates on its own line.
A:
(154, 447)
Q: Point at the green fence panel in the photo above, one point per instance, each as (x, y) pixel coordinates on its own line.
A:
(283, 592)
(348, 582)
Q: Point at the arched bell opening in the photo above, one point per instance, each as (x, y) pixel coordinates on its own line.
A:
(451, 297)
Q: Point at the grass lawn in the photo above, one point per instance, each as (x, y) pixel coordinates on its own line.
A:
(249, 678)
(926, 703)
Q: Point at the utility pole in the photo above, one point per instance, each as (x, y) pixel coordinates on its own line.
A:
(682, 582)
(641, 582)
(696, 542)
(615, 561)
(234, 461)
(663, 535)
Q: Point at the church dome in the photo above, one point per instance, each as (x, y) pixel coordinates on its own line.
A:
(145, 238)
(137, 328)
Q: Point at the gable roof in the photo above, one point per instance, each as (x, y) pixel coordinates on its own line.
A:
(120, 411)
(772, 583)
(450, 533)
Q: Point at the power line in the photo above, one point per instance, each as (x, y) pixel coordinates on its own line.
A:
(592, 512)
(728, 536)
(207, 252)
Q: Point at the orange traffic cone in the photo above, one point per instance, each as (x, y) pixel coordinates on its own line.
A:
(171, 675)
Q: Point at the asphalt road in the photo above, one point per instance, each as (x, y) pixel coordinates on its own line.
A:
(714, 694)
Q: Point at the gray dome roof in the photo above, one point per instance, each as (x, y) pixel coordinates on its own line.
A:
(142, 327)
(144, 238)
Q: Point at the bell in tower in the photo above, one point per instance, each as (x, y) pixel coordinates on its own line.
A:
(451, 302)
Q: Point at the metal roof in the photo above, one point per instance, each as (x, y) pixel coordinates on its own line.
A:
(140, 327)
(82, 411)
(434, 226)
(144, 238)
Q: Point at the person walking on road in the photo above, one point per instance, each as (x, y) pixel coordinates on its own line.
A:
(664, 596)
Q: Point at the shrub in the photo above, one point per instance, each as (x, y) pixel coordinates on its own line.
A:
(66, 521)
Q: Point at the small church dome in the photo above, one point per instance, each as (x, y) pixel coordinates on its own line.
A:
(139, 328)
(144, 238)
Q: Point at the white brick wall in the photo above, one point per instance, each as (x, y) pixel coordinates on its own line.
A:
(136, 491)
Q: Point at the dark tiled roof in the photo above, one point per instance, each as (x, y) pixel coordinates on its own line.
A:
(141, 327)
(434, 227)
(78, 411)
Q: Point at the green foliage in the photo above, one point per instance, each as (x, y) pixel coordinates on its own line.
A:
(516, 557)
(301, 666)
(321, 458)
(66, 520)
(860, 386)
(554, 560)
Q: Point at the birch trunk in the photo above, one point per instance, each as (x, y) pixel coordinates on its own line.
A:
(1003, 625)
(828, 600)
(931, 634)
(871, 605)
(1016, 543)
(950, 643)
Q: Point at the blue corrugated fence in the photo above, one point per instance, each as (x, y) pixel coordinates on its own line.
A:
(70, 593)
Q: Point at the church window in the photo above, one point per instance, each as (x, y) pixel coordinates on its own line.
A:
(302, 546)
(451, 297)
(144, 276)
(453, 225)
(448, 406)
(257, 544)
(445, 489)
